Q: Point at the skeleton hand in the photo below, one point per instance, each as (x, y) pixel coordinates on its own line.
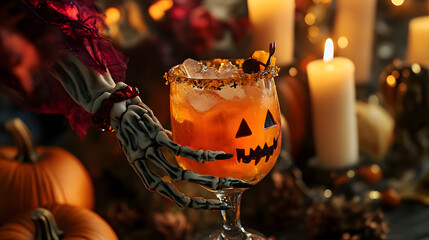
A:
(141, 135)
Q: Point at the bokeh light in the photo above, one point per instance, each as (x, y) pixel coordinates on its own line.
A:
(113, 15)
(343, 42)
(313, 33)
(310, 19)
(327, 193)
(158, 9)
(391, 80)
(293, 72)
(374, 195)
(416, 68)
(402, 87)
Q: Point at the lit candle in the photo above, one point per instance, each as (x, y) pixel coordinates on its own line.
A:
(418, 38)
(332, 91)
(354, 31)
(273, 20)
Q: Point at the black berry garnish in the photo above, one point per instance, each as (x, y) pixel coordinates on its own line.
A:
(251, 65)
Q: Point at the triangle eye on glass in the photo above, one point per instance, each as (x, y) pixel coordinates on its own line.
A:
(244, 129)
(269, 121)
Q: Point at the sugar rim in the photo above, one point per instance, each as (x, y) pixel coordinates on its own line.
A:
(177, 74)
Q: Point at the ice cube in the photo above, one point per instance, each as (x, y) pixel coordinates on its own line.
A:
(210, 73)
(203, 100)
(227, 70)
(232, 73)
(192, 67)
(226, 67)
(229, 93)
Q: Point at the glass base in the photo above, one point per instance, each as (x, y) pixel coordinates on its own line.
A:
(247, 235)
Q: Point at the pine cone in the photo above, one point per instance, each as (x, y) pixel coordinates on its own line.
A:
(172, 226)
(285, 204)
(345, 220)
(122, 217)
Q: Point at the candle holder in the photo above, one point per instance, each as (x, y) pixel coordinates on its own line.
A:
(355, 180)
(405, 92)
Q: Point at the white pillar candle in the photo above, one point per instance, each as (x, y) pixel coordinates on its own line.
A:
(273, 20)
(332, 91)
(418, 40)
(354, 31)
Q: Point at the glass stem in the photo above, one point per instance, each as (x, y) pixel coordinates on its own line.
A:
(231, 218)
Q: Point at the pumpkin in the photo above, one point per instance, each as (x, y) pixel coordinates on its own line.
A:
(58, 222)
(294, 104)
(35, 176)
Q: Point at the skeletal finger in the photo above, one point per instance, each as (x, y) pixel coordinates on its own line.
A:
(154, 183)
(151, 126)
(185, 151)
(150, 113)
(213, 182)
(178, 174)
(211, 204)
(201, 155)
(169, 133)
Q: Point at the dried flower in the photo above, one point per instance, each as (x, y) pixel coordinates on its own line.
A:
(346, 220)
(172, 226)
(286, 202)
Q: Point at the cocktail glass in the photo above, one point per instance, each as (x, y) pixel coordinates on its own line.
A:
(234, 112)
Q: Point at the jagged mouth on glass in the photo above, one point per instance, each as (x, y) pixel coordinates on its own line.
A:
(257, 154)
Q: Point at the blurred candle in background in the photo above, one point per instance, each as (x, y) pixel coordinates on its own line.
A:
(332, 92)
(354, 32)
(273, 20)
(418, 41)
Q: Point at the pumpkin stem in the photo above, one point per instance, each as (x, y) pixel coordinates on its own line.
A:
(46, 227)
(23, 140)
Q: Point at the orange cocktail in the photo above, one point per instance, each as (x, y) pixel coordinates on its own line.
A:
(236, 113)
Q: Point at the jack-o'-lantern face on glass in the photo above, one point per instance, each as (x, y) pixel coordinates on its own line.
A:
(264, 151)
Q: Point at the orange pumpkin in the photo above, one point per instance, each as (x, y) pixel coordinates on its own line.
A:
(58, 222)
(35, 176)
(294, 104)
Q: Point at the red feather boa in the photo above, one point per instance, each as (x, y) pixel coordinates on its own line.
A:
(49, 26)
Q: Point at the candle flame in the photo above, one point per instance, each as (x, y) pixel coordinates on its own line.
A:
(329, 50)
(398, 2)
